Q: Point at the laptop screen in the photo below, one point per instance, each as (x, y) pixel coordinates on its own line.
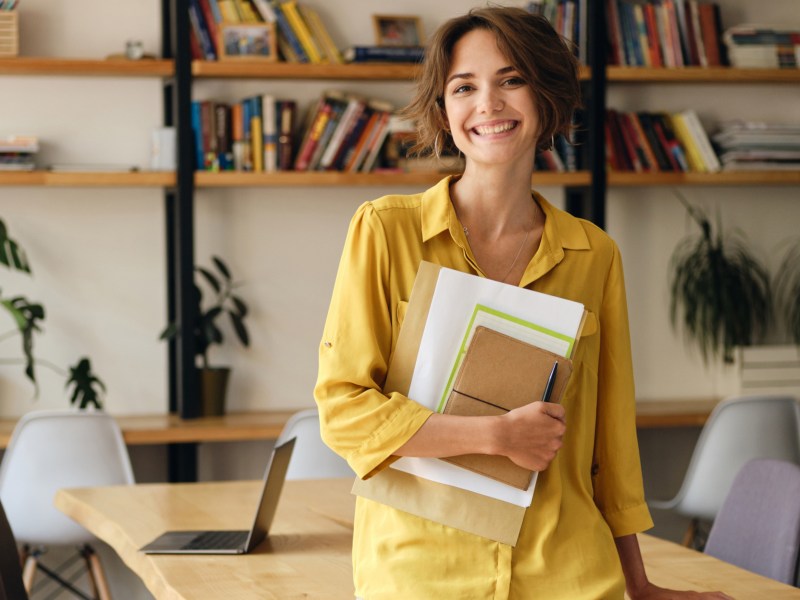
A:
(271, 492)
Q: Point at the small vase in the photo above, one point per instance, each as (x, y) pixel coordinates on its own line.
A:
(213, 386)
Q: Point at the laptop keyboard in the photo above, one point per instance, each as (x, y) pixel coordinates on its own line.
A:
(213, 540)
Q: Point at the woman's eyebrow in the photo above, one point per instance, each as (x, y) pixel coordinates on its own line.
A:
(502, 71)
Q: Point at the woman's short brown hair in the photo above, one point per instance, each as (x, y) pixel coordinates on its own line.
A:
(534, 48)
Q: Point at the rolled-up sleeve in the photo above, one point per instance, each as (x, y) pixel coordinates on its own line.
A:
(358, 421)
(618, 476)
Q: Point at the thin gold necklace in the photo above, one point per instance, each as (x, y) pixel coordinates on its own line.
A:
(519, 251)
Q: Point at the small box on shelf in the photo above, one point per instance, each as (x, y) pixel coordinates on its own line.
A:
(9, 33)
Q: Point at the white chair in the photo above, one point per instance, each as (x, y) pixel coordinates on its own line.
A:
(311, 458)
(57, 449)
(737, 431)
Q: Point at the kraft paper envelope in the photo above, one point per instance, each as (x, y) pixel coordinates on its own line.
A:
(500, 373)
(451, 506)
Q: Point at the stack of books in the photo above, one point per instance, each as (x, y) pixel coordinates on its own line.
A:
(256, 134)
(753, 46)
(756, 145)
(664, 33)
(343, 132)
(569, 18)
(644, 142)
(18, 153)
(301, 34)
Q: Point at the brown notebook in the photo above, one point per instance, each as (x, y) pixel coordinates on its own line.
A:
(500, 373)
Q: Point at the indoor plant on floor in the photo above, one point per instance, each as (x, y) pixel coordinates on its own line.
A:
(213, 379)
(27, 317)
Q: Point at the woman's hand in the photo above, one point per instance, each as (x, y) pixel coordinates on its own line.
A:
(532, 434)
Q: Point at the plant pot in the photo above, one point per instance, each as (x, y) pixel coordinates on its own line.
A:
(213, 386)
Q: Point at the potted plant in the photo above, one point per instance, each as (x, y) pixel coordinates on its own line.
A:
(719, 291)
(206, 331)
(27, 316)
(787, 291)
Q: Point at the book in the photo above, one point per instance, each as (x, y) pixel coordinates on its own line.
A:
(683, 133)
(321, 35)
(286, 112)
(710, 34)
(411, 54)
(298, 25)
(270, 129)
(699, 135)
(355, 106)
(338, 105)
(201, 31)
(316, 122)
(287, 34)
(500, 373)
(222, 132)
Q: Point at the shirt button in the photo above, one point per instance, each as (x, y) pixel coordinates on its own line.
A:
(595, 469)
(327, 344)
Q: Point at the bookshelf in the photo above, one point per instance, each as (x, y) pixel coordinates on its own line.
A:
(180, 74)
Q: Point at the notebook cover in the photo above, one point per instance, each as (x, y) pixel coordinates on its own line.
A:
(500, 373)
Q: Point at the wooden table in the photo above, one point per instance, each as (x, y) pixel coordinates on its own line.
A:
(308, 553)
(266, 425)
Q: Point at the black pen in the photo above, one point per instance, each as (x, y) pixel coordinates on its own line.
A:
(548, 388)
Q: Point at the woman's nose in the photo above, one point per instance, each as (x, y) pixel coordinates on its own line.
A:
(490, 101)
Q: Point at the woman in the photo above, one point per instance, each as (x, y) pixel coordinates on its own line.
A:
(498, 83)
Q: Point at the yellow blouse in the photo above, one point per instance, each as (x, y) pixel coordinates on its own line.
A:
(592, 491)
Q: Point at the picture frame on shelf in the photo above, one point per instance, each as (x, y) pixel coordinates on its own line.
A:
(250, 41)
(398, 30)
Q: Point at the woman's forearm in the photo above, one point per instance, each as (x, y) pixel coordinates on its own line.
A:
(530, 436)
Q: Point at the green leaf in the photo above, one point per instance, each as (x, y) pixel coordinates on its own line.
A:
(210, 278)
(170, 331)
(241, 307)
(223, 268)
(239, 328)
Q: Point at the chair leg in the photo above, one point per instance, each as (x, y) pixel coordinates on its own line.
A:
(97, 575)
(691, 532)
(29, 571)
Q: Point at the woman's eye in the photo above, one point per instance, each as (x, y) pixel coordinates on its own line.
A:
(462, 89)
(514, 81)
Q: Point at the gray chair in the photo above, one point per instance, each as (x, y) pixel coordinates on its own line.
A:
(311, 458)
(737, 431)
(758, 526)
(11, 586)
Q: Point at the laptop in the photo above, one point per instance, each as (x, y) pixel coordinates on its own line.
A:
(233, 542)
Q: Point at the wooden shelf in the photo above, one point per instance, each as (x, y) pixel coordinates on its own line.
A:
(724, 178)
(72, 179)
(335, 178)
(282, 70)
(26, 65)
(701, 75)
(654, 414)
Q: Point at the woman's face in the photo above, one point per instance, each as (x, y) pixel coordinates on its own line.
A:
(490, 109)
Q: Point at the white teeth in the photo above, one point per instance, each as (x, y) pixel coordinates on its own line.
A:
(499, 128)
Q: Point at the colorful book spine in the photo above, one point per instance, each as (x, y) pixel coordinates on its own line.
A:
(301, 30)
(270, 125)
(287, 33)
(321, 35)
